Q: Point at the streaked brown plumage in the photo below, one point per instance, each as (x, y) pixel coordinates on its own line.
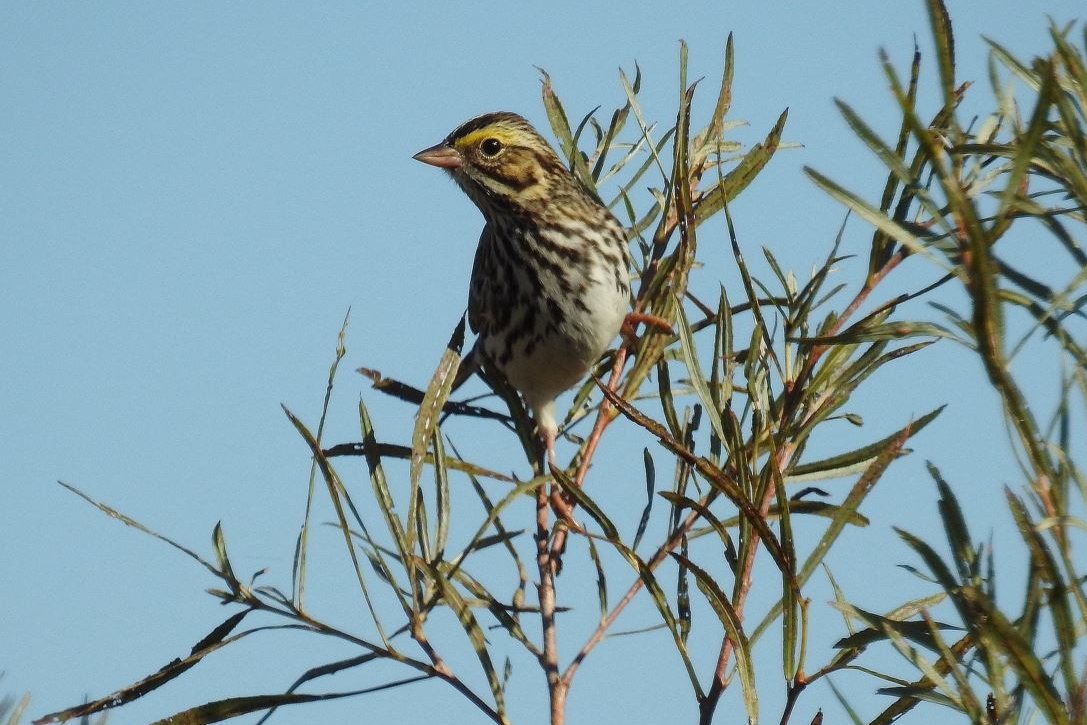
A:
(550, 284)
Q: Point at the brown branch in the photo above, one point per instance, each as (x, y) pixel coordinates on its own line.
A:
(546, 565)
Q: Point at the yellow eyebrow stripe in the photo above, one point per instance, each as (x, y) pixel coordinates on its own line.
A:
(502, 134)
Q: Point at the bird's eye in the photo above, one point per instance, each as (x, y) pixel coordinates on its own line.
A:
(490, 147)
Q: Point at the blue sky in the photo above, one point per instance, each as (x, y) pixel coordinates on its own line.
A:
(194, 194)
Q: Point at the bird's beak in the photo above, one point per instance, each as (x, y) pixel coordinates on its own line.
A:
(443, 156)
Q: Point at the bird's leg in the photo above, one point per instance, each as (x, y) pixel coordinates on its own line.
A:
(561, 503)
(550, 497)
(543, 414)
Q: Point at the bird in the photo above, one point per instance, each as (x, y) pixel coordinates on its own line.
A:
(550, 284)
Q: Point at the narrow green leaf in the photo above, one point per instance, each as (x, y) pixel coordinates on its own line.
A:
(645, 128)
(940, 22)
(882, 245)
(386, 504)
(738, 179)
(717, 525)
(932, 560)
(917, 631)
(453, 599)
(611, 532)
(1009, 61)
(601, 578)
(710, 137)
(967, 699)
(905, 703)
(890, 330)
(1044, 562)
(556, 114)
(219, 543)
(650, 487)
(213, 641)
(698, 380)
(442, 502)
(963, 551)
(726, 350)
(1028, 141)
(129, 521)
(913, 237)
(886, 452)
(924, 693)
(684, 613)
(425, 431)
(501, 538)
(893, 160)
(338, 495)
(560, 125)
(1030, 671)
(219, 710)
(863, 456)
(846, 705)
(507, 615)
(494, 512)
(733, 624)
(796, 508)
(934, 677)
(660, 600)
(298, 573)
(667, 401)
(792, 632)
(618, 120)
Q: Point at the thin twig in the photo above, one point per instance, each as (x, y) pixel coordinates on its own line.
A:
(545, 564)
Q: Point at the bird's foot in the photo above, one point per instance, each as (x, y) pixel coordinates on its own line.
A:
(631, 321)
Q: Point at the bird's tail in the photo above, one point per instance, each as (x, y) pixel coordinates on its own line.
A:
(469, 365)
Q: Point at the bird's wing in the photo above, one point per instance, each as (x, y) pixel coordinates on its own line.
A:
(469, 365)
(480, 312)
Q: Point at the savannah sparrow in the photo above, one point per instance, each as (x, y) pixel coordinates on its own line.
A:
(550, 283)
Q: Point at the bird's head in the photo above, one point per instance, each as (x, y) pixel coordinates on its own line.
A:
(501, 162)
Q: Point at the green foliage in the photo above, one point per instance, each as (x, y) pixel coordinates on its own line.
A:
(732, 390)
(956, 193)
